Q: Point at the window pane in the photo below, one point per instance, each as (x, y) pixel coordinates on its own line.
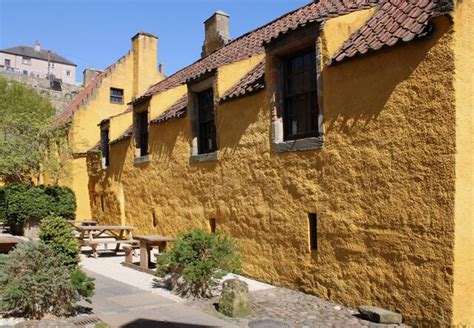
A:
(300, 112)
(207, 130)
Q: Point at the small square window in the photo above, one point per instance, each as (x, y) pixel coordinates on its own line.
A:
(313, 231)
(7, 62)
(68, 73)
(51, 65)
(116, 96)
(24, 72)
(26, 61)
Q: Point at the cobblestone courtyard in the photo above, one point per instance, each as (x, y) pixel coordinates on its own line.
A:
(281, 307)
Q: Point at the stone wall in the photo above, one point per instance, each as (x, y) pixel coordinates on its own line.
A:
(59, 99)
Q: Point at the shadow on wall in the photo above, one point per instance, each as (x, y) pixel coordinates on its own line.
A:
(163, 138)
(234, 119)
(359, 89)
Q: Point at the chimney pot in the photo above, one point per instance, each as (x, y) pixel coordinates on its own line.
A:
(37, 46)
(216, 30)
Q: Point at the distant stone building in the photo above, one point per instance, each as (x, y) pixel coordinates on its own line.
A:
(34, 61)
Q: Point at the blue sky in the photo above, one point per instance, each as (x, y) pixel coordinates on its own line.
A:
(93, 33)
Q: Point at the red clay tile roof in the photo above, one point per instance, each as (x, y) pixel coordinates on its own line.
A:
(251, 82)
(66, 115)
(251, 43)
(127, 134)
(394, 22)
(177, 110)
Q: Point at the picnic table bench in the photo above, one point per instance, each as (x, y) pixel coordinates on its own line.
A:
(147, 243)
(95, 235)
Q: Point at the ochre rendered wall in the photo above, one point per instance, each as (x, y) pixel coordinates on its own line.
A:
(140, 63)
(464, 209)
(382, 187)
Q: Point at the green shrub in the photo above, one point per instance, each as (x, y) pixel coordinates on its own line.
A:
(82, 284)
(198, 258)
(3, 208)
(24, 202)
(62, 201)
(32, 283)
(59, 235)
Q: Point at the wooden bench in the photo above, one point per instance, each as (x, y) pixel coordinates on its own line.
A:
(105, 241)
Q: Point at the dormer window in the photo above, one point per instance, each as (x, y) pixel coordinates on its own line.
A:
(104, 145)
(141, 129)
(294, 79)
(203, 116)
(207, 142)
(300, 118)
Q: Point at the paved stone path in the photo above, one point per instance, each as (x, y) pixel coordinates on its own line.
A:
(122, 305)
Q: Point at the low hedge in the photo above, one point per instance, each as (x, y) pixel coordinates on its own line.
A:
(22, 202)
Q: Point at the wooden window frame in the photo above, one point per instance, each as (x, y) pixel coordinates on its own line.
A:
(289, 96)
(277, 52)
(198, 154)
(142, 127)
(207, 134)
(117, 97)
(104, 145)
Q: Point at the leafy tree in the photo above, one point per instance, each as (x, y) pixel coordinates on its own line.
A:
(25, 131)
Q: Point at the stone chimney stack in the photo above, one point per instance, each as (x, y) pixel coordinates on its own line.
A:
(216, 32)
(145, 61)
(37, 46)
(89, 74)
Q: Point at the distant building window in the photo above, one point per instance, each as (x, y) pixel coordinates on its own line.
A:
(116, 96)
(104, 145)
(26, 61)
(313, 231)
(300, 119)
(207, 142)
(7, 62)
(51, 65)
(24, 72)
(68, 73)
(141, 120)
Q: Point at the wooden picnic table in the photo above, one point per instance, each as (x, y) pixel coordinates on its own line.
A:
(106, 234)
(147, 243)
(82, 222)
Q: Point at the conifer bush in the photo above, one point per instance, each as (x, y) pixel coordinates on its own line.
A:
(59, 235)
(33, 284)
(196, 260)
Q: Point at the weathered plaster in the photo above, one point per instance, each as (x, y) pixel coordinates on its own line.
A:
(383, 186)
(464, 204)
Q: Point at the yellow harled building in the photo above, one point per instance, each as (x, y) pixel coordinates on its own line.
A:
(334, 143)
